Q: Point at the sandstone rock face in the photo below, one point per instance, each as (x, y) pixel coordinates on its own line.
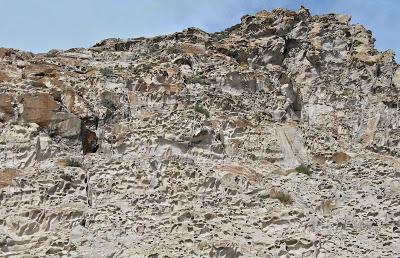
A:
(39, 109)
(278, 137)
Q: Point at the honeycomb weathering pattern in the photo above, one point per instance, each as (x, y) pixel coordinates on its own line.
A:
(278, 137)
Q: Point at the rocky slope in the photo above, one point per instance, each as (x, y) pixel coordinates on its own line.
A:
(278, 137)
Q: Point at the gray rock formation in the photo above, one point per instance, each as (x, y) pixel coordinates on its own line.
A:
(278, 137)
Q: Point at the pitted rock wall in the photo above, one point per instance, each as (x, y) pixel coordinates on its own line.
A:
(278, 137)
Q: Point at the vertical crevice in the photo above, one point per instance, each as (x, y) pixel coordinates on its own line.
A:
(88, 135)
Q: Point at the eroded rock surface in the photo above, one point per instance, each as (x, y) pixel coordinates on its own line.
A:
(278, 137)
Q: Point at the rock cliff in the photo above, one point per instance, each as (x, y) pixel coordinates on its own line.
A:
(278, 137)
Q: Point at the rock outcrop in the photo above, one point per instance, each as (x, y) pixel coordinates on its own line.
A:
(278, 137)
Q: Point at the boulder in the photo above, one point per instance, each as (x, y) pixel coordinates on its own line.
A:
(39, 108)
(66, 125)
(42, 109)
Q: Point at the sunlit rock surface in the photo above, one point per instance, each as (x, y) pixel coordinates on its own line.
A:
(278, 137)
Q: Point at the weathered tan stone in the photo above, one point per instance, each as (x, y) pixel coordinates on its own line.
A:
(39, 108)
(278, 136)
(193, 48)
(40, 70)
(6, 108)
(4, 77)
(340, 158)
(5, 52)
(7, 175)
(65, 125)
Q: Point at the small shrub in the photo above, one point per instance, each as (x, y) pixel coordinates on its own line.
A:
(303, 169)
(252, 156)
(152, 49)
(142, 68)
(244, 65)
(71, 162)
(173, 50)
(53, 53)
(106, 71)
(194, 80)
(218, 36)
(109, 104)
(147, 67)
(200, 109)
(282, 197)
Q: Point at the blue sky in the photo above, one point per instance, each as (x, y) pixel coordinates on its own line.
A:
(41, 25)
